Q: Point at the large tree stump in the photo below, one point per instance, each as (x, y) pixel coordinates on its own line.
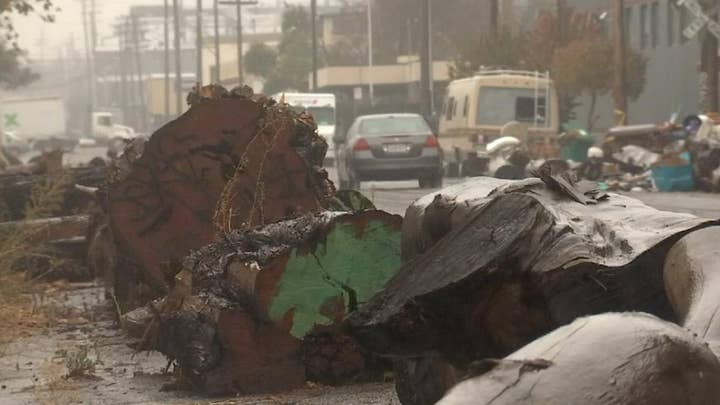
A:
(610, 359)
(495, 269)
(264, 308)
(245, 158)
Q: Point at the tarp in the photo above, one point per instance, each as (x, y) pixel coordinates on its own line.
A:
(486, 235)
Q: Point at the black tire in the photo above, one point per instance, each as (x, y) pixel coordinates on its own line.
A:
(453, 170)
(433, 181)
(423, 381)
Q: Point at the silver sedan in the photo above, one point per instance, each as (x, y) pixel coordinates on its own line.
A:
(389, 147)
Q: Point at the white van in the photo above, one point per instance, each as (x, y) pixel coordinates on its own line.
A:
(322, 106)
(477, 108)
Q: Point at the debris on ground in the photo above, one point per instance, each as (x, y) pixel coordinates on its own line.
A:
(492, 265)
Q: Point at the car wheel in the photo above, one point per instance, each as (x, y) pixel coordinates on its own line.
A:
(453, 170)
(436, 181)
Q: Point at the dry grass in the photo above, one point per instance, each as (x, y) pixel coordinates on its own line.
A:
(20, 309)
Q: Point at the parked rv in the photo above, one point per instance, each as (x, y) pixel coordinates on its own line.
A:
(477, 108)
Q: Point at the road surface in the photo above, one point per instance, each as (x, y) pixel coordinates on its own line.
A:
(396, 196)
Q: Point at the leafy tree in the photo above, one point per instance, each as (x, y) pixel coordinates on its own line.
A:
(13, 72)
(294, 61)
(260, 60)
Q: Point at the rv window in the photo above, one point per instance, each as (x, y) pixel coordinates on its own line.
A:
(449, 108)
(465, 106)
(498, 105)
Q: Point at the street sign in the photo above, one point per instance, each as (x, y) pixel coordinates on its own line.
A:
(701, 19)
(11, 120)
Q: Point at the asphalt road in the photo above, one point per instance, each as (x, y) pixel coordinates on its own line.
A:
(396, 196)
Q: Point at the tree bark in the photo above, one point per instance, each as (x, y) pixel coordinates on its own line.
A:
(603, 359)
(232, 161)
(505, 262)
(261, 310)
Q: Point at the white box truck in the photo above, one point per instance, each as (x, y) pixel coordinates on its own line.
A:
(37, 123)
(322, 106)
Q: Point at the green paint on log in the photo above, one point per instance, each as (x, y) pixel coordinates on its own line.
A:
(348, 268)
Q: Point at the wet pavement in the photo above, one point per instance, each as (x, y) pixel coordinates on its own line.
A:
(34, 370)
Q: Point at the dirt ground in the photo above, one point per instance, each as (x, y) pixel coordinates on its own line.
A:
(82, 336)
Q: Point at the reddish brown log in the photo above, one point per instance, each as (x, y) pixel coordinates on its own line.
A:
(164, 205)
(261, 310)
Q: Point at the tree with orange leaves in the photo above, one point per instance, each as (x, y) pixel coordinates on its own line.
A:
(577, 59)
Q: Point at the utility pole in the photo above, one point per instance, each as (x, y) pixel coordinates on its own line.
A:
(313, 23)
(216, 18)
(426, 80)
(560, 25)
(178, 60)
(199, 44)
(138, 67)
(371, 48)
(88, 65)
(494, 17)
(619, 80)
(709, 63)
(123, 70)
(166, 32)
(239, 35)
(93, 51)
(240, 67)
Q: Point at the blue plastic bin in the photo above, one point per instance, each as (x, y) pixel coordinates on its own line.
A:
(673, 178)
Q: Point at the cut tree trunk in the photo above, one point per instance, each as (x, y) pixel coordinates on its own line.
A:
(261, 310)
(618, 359)
(489, 269)
(232, 161)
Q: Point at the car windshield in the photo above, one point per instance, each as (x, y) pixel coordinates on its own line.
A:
(322, 115)
(500, 105)
(393, 125)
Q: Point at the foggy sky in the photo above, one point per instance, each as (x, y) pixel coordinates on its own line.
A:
(49, 40)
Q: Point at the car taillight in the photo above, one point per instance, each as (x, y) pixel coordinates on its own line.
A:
(361, 144)
(431, 142)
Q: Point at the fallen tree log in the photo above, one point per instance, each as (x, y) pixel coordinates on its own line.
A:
(492, 268)
(232, 161)
(692, 281)
(261, 310)
(618, 359)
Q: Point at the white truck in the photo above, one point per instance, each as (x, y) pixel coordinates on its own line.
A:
(322, 106)
(34, 123)
(106, 132)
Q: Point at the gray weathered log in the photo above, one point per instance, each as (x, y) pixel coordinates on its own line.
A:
(692, 281)
(609, 359)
